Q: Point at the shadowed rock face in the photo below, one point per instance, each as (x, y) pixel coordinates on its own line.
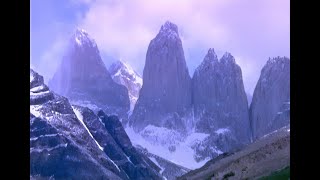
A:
(270, 107)
(60, 147)
(110, 134)
(82, 76)
(166, 91)
(71, 142)
(219, 98)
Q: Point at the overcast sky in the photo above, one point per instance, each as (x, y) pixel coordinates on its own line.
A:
(251, 30)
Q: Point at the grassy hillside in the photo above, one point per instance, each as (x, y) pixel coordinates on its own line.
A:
(279, 175)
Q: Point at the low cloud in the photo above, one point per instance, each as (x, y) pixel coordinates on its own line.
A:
(251, 31)
(51, 58)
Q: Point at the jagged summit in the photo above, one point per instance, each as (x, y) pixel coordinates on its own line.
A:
(277, 59)
(120, 64)
(165, 95)
(169, 26)
(81, 31)
(270, 107)
(220, 102)
(227, 58)
(169, 30)
(211, 56)
(209, 60)
(83, 77)
(122, 73)
(211, 52)
(82, 37)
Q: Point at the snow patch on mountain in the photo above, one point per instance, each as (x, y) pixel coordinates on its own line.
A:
(161, 135)
(85, 103)
(156, 162)
(80, 117)
(222, 130)
(122, 73)
(31, 78)
(38, 89)
(82, 37)
(34, 109)
(177, 149)
(123, 66)
(40, 93)
(195, 138)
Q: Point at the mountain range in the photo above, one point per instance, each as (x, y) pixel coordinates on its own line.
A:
(158, 126)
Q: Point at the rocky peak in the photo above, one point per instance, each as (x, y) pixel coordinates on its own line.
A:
(227, 58)
(121, 68)
(169, 27)
(169, 30)
(65, 138)
(122, 73)
(39, 92)
(219, 98)
(166, 88)
(270, 97)
(211, 55)
(35, 79)
(277, 60)
(83, 77)
(82, 38)
(209, 60)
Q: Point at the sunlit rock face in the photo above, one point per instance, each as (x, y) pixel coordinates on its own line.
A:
(165, 96)
(122, 73)
(270, 107)
(83, 77)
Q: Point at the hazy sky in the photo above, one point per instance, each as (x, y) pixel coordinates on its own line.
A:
(251, 30)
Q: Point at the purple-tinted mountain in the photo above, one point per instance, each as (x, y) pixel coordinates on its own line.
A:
(72, 142)
(60, 146)
(165, 96)
(220, 105)
(270, 107)
(83, 77)
(122, 73)
(219, 98)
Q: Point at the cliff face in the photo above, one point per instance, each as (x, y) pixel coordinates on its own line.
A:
(166, 91)
(82, 76)
(219, 98)
(122, 73)
(270, 107)
(71, 142)
(59, 144)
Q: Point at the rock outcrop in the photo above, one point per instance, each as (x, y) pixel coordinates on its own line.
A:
(122, 73)
(83, 78)
(165, 96)
(270, 107)
(219, 98)
(110, 135)
(60, 147)
(71, 142)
